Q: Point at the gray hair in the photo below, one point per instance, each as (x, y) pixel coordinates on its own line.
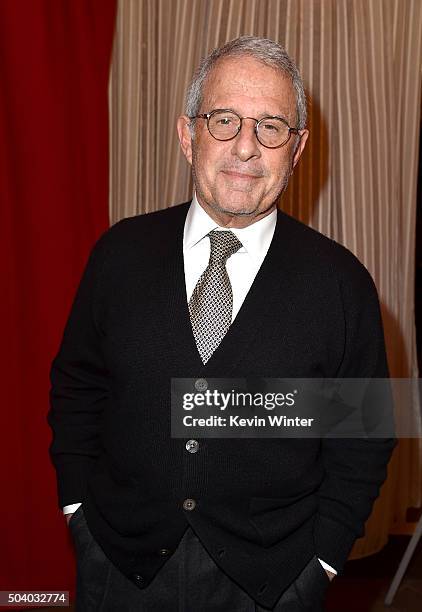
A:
(264, 50)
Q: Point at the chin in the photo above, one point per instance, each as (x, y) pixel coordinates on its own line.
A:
(240, 208)
(241, 212)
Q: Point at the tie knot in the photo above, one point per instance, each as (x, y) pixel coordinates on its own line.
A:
(223, 244)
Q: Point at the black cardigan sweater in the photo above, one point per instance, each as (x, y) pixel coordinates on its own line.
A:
(264, 507)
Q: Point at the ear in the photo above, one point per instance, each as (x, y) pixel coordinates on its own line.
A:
(185, 137)
(303, 134)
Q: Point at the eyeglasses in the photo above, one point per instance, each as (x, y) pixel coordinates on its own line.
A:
(225, 124)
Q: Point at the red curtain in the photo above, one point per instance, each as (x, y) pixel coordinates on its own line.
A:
(54, 67)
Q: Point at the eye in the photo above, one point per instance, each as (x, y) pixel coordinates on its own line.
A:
(270, 126)
(224, 121)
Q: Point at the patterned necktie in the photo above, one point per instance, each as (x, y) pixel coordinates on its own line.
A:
(211, 303)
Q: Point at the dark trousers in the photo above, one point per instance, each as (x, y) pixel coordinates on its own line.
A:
(188, 582)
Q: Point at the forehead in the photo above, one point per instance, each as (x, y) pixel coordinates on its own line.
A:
(251, 85)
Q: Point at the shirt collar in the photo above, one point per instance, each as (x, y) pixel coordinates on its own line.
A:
(255, 238)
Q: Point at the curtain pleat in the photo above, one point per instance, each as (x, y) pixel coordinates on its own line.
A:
(356, 181)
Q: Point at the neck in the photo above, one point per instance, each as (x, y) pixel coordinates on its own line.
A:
(236, 220)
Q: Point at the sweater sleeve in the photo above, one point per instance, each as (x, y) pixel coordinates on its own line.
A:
(354, 468)
(79, 387)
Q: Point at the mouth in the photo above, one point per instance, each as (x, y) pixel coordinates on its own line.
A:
(240, 175)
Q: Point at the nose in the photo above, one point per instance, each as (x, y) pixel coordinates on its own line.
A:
(245, 145)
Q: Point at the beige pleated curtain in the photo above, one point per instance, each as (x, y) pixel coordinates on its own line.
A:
(361, 63)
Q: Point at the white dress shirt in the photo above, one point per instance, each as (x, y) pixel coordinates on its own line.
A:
(242, 266)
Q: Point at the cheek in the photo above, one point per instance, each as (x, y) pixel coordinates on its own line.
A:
(279, 169)
(205, 162)
(202, 172)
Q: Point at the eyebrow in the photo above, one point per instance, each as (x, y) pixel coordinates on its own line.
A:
(262, 115)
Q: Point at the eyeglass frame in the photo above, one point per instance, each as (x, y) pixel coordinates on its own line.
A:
(207, 116)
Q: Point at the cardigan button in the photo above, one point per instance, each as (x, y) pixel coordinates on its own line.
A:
(164, 552)
(192, 446)
(201, 384)
(189, 504)
(139, 579)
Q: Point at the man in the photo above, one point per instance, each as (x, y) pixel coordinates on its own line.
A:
(225, 286)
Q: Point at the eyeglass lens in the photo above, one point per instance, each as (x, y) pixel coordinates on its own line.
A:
(272, 132)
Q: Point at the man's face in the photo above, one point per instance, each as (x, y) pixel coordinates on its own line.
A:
(238, 181)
